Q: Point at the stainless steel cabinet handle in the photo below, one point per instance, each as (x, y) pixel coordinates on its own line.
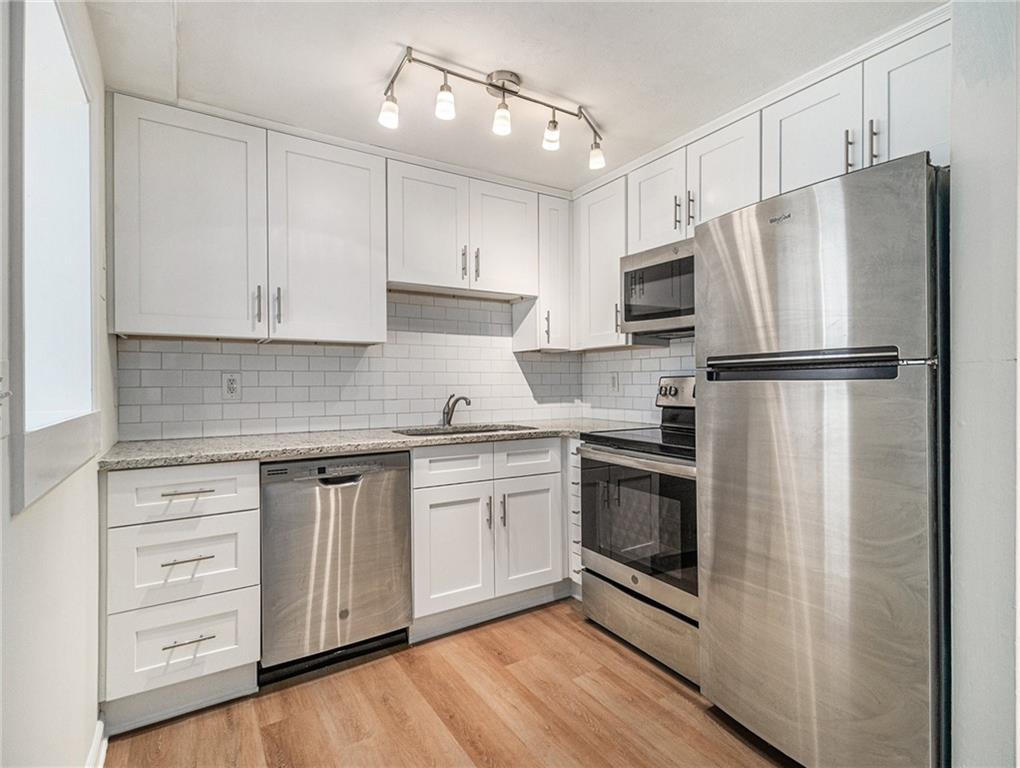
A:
(575, 511)
(577, 570)
(575, 482)
(872, 133)
(488, 516)
(575, 541)
(198, 639)
(195, 492)
(463, 263)
(258, 304)
(279, 305)
(676, 211)
(478, 263)
(197, 559)
(690, 207)
(502, 516)
(616, 309)
(548, 328)
(848, 143)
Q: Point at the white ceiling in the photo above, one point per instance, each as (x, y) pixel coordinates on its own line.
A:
(647, 72)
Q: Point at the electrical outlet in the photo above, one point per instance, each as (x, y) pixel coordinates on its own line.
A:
(231, 386)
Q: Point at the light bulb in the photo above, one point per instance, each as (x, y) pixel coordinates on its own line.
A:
(551, 138)
(501, 120)
(596, 159)
(445, 108)
(389, 112)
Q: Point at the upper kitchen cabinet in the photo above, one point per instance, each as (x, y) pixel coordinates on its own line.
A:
(327, 242)
(189, 226)
(600, 241)
(544, 323)
(723, 171)
(813, 134)
(448, 231)
(504, 239)
(428, 226)
(656, 202)
(906, 98)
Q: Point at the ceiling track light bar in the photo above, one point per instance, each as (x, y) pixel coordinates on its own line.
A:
(410, 58)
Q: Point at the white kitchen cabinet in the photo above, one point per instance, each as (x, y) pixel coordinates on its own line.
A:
(503, 246)
(189, 223)
(516, 458)
(327, 242)
(906, 98)
(428, 226)
(452, 546)
(544, 323)
(600, 240)
(814, 134)
(724, 171)
(449, 464)
(656, 206)
(529, 543)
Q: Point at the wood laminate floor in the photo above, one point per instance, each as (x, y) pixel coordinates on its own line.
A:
(541, 688)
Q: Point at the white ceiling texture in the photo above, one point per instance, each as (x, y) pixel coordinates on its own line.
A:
(646, 72)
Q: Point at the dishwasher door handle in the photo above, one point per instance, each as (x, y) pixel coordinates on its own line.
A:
(334, 481)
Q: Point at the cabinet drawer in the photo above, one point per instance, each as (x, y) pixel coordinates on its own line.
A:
(166, 644)
(168, 493)
(448, 464)
(164, 562)
(516, 458)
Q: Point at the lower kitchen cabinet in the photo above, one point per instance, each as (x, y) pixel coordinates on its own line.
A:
(452, 546)
(529, 543)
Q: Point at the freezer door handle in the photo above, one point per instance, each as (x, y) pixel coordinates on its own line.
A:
(828, 357)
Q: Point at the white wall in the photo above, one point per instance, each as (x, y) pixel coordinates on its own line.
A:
(983, 402)
(51, 549)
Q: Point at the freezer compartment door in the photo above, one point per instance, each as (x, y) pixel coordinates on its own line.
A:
(815, 515)
(843, 264)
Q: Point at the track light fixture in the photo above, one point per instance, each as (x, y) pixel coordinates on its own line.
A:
(501, 84)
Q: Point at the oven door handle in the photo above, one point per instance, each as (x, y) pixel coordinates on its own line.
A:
(636, 460)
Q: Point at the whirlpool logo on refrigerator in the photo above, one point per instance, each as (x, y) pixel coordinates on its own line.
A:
(779, 219)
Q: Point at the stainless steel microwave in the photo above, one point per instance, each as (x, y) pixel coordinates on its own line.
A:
(657, 290)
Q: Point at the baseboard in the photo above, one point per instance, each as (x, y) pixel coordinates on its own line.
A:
(150, 707)
(443, 623)
(97, 751)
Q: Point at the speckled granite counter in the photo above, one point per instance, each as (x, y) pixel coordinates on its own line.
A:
(296, 445)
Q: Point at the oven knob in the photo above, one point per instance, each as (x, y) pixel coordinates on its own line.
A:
(673, 391)
(662, 391)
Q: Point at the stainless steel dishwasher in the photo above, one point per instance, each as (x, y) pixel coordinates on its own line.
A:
(336, 559)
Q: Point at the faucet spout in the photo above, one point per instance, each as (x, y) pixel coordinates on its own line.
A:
(451, 406)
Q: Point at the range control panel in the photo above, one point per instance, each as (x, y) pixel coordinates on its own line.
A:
(675, 392)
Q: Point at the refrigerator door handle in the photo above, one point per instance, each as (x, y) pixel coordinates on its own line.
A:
(834, 357)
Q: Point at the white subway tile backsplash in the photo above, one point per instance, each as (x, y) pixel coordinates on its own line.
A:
(437, 345)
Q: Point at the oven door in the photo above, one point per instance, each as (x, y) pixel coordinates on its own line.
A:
(657, 291)
(639, 524)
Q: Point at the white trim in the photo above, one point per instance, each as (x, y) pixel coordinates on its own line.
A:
(97, 751)
(852, 58)
(53, 453)
(338, 141)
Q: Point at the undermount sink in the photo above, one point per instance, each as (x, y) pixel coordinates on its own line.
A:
(461, 429)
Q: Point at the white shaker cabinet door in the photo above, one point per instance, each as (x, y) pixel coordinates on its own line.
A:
(452, 546)
(906, 98)
(724, 170)
(655, 203)
(503, 255)
(814, 134)
(600, 241)
(327, 242)
(428, 226)
(189, 223)
(544, 323)
(529, 532)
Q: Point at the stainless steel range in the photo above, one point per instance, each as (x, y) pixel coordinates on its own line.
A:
(639, 531)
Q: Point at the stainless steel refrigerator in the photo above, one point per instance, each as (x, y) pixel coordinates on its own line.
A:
(821, 440)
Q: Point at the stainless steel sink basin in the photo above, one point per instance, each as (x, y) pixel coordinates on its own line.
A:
(461, 429)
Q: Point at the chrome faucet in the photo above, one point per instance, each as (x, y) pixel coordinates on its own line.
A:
(451, 406)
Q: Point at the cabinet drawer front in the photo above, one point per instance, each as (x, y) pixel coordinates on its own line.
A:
(447, 464)
(163, 562)
(168, 493)
(526, 457)
(153, 647)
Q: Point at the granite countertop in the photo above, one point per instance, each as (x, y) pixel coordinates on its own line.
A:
(295, 445)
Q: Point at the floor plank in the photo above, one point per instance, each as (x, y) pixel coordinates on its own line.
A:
(544, 687)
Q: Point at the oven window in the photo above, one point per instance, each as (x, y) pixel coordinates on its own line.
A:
(641, 519)
(660, 290)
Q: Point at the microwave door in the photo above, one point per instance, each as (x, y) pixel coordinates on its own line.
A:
(659, 296)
